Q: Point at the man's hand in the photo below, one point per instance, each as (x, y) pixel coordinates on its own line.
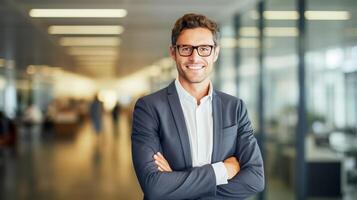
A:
(162, 163)
(232, 166)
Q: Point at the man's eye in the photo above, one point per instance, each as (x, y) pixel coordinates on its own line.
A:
(185, 49)
(204, 48)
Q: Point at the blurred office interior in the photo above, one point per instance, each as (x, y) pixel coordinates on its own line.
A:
(293, 62)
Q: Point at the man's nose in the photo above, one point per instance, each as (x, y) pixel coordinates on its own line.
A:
(194, 56)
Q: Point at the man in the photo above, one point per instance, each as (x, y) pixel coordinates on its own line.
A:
(190, 141)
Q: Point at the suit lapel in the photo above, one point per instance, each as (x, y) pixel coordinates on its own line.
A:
(217, 126)
(179, 118)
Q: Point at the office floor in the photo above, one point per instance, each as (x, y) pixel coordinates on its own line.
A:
(79, 167)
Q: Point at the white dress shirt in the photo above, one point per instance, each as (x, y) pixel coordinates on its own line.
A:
(199, 123)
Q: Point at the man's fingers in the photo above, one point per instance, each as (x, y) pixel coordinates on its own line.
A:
(159, 161)
(232, 165)
(162, 165)
(167, 165)
(163, 159)
(162, 162)
(161, 156)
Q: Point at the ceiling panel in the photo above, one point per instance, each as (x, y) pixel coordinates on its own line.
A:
(147, 28)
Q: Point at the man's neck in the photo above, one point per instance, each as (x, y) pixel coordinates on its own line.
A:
(197, 90)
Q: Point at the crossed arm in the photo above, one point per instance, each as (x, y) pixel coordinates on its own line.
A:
(231, 164)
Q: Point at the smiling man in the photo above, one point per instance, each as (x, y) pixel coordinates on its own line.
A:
(190, 141)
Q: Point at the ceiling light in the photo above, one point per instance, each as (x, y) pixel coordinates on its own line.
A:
(248, 43)
(96, 58)
(93, 51)
(86, 59)
(94, 30)
(275, 15)
(97, 65)
(92, 48)
(281, 15)
(249, 32)
(97, 61)
(309, 15)
(89, 41)
(228, 43)
(281, 32)
(80, 13)
(327, 15)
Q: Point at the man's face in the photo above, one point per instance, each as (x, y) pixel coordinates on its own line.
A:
(194, 68)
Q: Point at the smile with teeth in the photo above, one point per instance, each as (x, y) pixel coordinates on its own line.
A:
(195, 67)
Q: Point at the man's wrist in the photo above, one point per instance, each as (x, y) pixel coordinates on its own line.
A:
(220, 172)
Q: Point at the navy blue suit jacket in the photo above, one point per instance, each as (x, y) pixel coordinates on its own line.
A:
(159, 126)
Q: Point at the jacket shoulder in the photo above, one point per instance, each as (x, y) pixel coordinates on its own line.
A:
(155, 98)
(228, 99)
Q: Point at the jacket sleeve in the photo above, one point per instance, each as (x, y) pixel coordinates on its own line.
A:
(250, 179)
(189, 184)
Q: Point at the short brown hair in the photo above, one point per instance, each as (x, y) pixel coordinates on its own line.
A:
(192, 20)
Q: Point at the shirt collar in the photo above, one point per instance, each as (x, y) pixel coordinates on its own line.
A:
(184, 94)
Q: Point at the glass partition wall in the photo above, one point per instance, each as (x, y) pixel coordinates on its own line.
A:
(329, 58)
(331, 80)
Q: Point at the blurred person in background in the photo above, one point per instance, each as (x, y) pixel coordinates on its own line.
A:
(50, 116)
(7, 131)
(190, 141)
(96, 111)
(115, 115)
(33, 119)
(33, 115)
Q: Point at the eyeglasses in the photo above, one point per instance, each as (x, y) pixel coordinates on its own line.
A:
(187, 50)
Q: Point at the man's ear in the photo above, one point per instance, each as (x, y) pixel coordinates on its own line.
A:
(216, 53)
(172, 52)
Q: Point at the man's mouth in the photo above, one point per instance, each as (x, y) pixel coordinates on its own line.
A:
(195, 66)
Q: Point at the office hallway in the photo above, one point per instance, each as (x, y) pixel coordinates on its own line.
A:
(80, 167)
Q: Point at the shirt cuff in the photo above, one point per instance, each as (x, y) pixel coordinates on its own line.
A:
(221, 173)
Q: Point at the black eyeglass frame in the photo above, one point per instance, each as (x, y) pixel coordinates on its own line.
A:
(177, 46)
